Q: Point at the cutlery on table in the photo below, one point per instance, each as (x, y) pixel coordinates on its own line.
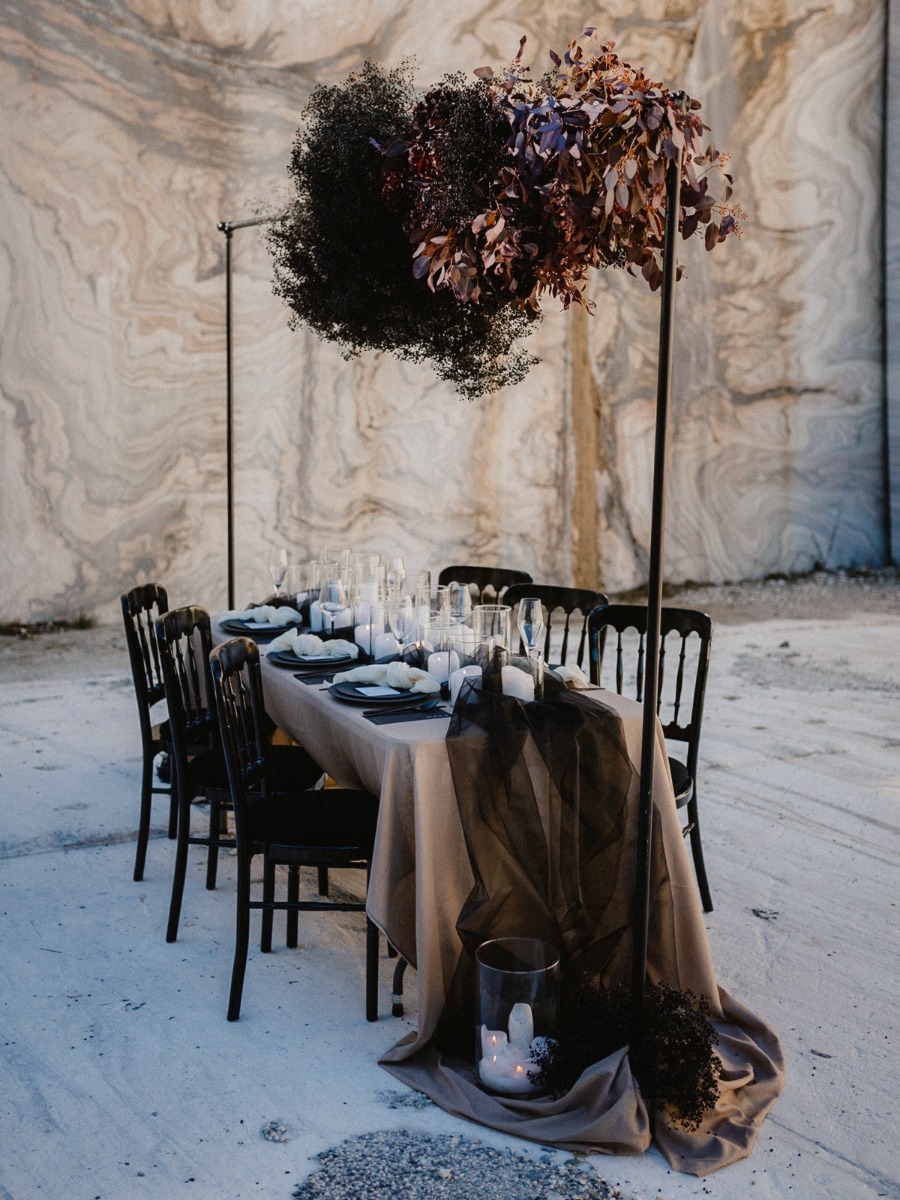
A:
(407, 716)
(386, 709)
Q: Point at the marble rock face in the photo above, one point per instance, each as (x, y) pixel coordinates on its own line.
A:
(131, 127)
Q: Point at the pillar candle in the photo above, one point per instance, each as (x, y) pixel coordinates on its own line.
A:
(458, 678)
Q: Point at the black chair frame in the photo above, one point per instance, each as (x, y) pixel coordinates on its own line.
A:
(481, 579)
(141, 607)
(687, 712)
(237, 686)
(185, 642)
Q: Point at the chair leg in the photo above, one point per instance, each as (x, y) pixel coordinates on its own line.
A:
(323, 881)
(140, 856)
(371, 971)
(293, 895)
(181, 857)
(241, 940)
(697, 852)
(215, 832)
(265, 941)
(397, 989)
(173, 815)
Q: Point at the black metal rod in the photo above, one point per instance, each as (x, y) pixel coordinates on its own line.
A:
(884, 233)
(654, 605)
(229, 412)
(228, 228)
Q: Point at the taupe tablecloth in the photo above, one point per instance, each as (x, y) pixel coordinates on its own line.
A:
(419, 882)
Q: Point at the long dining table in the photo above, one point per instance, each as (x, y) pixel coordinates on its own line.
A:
(420, 879)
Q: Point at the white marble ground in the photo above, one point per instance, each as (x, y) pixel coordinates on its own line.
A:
(122, 1078)
(131, 127)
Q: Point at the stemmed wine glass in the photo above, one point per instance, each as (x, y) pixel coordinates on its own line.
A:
(333, 598)
(401, 618)
(459, 603)
(278, 567)
(395, 577)
(531, 624)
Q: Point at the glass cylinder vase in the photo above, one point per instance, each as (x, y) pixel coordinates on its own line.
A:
(518, 997)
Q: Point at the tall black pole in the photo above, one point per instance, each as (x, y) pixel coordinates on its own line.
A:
(229, 410)
(654, 605)
(228, 228)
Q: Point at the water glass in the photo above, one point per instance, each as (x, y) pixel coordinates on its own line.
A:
(493, 621)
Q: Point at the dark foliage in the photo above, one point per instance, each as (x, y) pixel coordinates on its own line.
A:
(343, 262)
(444, 166)
(678, 1069)
(433, 228)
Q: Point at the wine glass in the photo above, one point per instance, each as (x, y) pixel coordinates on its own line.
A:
(531, 624)
(396, 575)
(333, 598)
(401, 618)
(278, 567)
(459, 603)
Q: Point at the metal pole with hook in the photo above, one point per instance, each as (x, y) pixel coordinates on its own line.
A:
(228, 228)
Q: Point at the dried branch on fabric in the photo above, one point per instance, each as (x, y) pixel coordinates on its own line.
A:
(678, 1068)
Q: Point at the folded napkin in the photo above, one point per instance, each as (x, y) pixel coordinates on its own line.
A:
(266, 614)
(396, 675)
(572, 677)
(310, 646)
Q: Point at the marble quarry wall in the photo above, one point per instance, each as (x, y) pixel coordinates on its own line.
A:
(131, 127)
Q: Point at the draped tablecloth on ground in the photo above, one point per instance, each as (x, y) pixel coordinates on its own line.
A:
(422, 878)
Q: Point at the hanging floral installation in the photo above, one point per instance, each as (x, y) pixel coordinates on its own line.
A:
(434, 227)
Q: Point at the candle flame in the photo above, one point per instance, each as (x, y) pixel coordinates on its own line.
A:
(519, 1069)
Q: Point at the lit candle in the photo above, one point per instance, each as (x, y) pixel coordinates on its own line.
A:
(506, 1061)
(316, 617)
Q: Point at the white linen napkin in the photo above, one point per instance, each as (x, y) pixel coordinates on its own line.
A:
(266, 614)
(572, 677)
(310, 646)
(394, 675)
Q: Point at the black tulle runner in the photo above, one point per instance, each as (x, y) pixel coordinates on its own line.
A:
(542, 791)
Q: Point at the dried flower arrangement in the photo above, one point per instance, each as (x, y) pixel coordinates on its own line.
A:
(678, 1068)
(433, 228)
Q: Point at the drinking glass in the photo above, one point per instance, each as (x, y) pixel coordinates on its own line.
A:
(401, 616)
(492, 621)
(333, 598)
(531, 624)
(459, 602)
(492, 629)
(278, 567)
(396, 577)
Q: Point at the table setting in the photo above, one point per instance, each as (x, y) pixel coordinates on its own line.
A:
(508, 810)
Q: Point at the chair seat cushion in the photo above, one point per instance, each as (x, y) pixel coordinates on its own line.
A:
(338, 819)
(681, 782)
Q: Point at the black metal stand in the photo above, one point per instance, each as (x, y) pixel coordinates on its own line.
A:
(228, 228)
(654, 604)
